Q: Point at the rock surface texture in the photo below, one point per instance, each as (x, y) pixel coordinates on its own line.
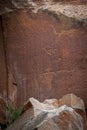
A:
(44, 50)
(43, 53)
(2, 111)
(70, 10)
(50, 117)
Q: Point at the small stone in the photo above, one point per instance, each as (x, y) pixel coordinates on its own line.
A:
(73, 101)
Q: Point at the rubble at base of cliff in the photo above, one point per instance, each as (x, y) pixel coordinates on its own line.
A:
(65, 113)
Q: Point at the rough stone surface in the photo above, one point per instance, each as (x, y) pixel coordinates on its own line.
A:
(49, 56)
(2, 111)
(18, 124)
(5, 6)
(70, 10)
(65, 120)
(47, 105)
(69, 120)
(50, 117)
(72, 101)
(48, 125)
(43, 53)
(78, 12)
(3, 68)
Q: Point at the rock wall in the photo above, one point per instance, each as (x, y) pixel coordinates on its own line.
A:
(46, 54)
(3, 70)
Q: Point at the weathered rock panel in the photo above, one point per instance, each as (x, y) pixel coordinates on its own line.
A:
(3, 70)
(48, 58)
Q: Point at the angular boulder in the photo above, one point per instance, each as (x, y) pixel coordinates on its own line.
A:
(52, 115)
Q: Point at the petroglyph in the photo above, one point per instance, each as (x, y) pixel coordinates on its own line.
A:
(69, 32)
(47, 78)
(50, 51)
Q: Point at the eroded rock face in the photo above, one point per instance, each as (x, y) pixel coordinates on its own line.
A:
(2, 111)
(45, 50)
(47, 57)
(76, 11)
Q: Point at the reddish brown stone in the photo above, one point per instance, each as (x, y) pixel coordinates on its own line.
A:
(3, 67)
(73, 101)
(2, 111)
(46, 57)
(27, 106)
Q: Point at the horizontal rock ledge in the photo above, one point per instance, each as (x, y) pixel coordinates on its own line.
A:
(74, 12)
